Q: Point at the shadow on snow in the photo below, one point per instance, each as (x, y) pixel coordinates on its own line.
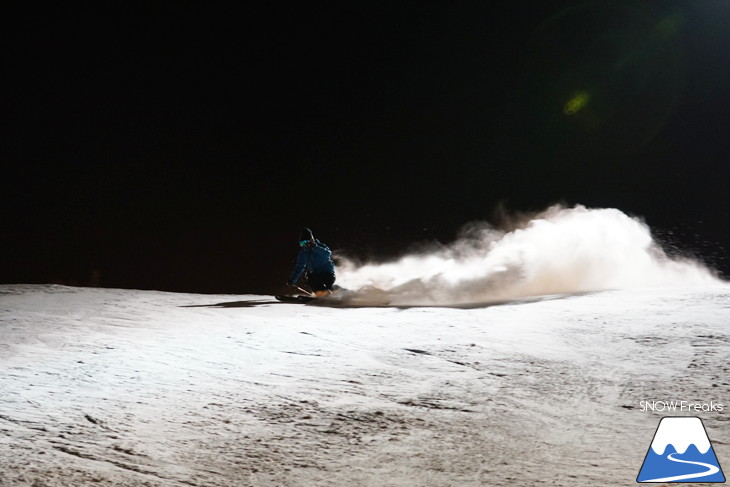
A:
(345, 303)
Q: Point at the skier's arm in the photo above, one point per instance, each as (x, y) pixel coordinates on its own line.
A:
(299, 268)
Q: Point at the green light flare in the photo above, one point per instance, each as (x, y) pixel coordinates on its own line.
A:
(576, 103)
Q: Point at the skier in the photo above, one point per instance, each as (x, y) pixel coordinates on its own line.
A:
(316, 259)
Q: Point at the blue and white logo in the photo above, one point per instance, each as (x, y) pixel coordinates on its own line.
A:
(681, 452)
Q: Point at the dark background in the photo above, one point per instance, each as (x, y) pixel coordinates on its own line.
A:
(182, 146)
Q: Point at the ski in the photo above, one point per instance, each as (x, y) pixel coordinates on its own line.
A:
(299, 298)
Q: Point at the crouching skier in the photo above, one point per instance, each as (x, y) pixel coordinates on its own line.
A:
(316, 259)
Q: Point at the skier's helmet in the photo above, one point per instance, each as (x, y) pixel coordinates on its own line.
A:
(306, 237)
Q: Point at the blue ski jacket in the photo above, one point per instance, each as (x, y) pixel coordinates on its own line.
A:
(315, 259)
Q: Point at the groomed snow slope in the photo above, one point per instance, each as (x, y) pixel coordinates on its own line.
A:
(136, 388)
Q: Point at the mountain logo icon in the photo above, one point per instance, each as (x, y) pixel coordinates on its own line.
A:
(681, 452)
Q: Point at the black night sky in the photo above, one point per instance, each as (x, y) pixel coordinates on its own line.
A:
(182, 146)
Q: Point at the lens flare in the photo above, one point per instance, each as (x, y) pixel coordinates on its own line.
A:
(606, 74)
(667, 27)
(576, 103)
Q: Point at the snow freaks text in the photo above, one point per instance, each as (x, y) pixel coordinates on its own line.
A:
(681, 406)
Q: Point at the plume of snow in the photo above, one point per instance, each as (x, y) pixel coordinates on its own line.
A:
(561, 250)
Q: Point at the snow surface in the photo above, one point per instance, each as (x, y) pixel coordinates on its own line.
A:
(139, 388)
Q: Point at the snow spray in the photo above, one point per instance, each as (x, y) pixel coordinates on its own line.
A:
(558, 251)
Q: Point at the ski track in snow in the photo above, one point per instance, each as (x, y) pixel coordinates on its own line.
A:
(140, 388)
